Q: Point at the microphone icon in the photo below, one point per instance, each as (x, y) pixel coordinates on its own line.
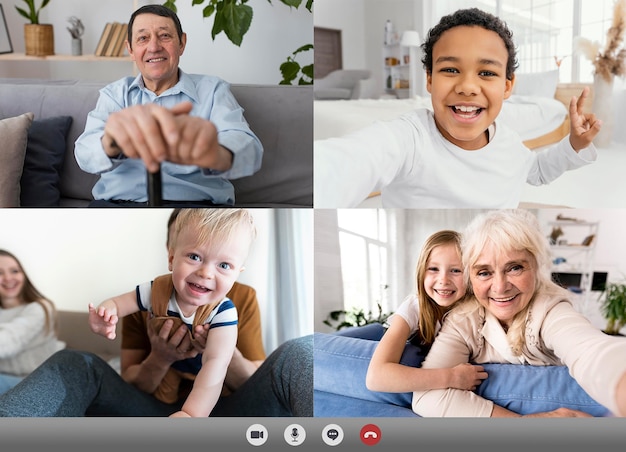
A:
(294, 434)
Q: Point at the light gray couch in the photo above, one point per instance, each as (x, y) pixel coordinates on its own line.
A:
(280, 115)
(73, 329)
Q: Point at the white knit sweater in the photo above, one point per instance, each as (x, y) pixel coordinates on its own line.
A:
(24, 339)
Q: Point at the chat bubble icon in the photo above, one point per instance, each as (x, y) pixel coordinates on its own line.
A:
(332, 434)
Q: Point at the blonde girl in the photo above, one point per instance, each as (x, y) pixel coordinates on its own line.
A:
(439, 285)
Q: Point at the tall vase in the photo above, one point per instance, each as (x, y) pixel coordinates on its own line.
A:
(602, 107)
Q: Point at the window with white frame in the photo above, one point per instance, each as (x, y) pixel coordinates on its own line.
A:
(544, 30)
(367, 261)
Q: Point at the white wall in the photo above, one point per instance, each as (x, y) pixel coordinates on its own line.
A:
(78, 256)
(276, 31)
(362, 23)
(349, 17)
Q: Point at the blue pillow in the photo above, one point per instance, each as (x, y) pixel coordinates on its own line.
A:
(340, 367)
(43, 162)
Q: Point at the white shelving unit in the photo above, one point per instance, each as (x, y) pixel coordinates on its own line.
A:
(396, 69)
(573, 253)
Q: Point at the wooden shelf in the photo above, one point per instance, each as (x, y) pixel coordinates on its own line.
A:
(59, 57)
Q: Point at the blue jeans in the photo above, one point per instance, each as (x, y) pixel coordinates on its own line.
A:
(8, 381)
(82, 384)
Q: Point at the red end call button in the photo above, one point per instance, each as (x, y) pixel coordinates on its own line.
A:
(370, 434)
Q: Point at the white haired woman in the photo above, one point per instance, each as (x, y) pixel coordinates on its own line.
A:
(518, 315)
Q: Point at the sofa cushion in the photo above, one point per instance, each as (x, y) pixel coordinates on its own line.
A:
(43, 162)
(341, 366)
(14, 136)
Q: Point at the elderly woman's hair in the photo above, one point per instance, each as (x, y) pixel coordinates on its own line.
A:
(512, 230)
(508, 230)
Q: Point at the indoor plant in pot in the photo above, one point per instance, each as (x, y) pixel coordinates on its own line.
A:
(38, 38)
(614, 307)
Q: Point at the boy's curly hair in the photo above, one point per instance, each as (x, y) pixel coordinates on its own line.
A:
(470, 17)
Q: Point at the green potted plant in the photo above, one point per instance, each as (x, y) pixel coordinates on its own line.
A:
(355, 317)
(38, 37)
(233, 18)
(614, 307)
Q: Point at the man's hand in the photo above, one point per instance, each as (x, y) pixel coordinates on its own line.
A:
(170, 349)
(583, 127)
(156, 134)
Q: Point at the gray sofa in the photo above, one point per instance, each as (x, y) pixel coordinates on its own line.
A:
(280, 115)
(73, 329)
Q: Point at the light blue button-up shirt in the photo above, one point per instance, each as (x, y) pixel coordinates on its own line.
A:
(125, 179)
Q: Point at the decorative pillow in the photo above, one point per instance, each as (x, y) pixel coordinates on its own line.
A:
(341, 362)
(45, 152)
(13, 136)
(541, 84)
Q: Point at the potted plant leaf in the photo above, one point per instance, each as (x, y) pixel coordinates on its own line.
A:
(614, 307)
(355, 317)
(38, 37)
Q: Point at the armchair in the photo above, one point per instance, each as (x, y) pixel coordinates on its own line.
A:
(340, 84)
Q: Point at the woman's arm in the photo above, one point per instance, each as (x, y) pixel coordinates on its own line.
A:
(385, 373)
(596, 360)
(207, 386)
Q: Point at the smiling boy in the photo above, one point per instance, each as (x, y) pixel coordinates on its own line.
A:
(458, 155)
(207, 252)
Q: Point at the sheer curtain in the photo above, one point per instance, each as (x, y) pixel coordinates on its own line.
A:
(282, 273)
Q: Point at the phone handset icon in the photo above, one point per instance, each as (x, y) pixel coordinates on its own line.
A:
(370, 434)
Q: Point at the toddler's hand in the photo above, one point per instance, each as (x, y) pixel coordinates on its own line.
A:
(583, 126)
(102, 321)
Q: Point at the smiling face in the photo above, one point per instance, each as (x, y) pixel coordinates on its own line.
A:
(504, 282)
(156, 50)
(468, 84)
(443, 278)
(11, 282)
(203, 273)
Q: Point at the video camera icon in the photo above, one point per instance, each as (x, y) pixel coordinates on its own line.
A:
(256, 434)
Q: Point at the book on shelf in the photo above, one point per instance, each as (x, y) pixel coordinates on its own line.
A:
(111, 45)
(104, 39)
(120, 47)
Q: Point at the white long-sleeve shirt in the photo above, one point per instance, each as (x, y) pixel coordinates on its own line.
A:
(414, 166)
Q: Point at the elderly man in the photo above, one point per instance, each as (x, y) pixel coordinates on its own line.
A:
(187, 126)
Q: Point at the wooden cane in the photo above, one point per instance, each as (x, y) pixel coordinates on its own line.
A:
(155, 197)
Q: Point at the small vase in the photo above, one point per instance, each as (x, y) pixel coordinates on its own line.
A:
(77, 46)
(602, 107)
(39, 39)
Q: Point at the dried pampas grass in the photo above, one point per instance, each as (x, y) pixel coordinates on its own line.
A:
(609, 62)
